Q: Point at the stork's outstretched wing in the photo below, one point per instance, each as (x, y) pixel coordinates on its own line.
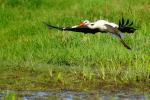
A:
(83, 29)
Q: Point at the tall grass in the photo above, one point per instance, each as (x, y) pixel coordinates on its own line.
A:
(26, 42)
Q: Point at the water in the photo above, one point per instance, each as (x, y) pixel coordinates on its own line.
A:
(70, 95)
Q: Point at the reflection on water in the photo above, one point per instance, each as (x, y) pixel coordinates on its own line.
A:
(69, 95)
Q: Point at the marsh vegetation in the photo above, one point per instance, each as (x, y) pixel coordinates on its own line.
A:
(33, 57)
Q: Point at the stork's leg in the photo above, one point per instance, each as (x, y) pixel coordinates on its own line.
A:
(121, 40)
(124, 44)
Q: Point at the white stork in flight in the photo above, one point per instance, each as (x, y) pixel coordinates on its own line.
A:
(102, 26)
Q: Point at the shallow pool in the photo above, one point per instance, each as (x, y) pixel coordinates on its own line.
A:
(70, 95)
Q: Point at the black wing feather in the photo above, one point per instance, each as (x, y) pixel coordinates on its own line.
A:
(119, 23)
(82, 29)
(126, 27)
(131, 23)
(122, 22)
(52, 27)
(127, 22)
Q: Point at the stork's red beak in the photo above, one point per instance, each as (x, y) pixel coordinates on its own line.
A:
(82, 24)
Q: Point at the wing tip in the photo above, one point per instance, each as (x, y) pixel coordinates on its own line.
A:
(53, 27)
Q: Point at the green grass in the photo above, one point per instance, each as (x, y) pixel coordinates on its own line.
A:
(33, 57)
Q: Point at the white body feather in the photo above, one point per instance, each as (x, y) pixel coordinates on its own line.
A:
(101, 24)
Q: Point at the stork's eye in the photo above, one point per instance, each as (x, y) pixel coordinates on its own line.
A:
(92, 24)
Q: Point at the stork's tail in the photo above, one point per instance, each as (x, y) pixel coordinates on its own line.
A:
(126, 26)
(53, 27)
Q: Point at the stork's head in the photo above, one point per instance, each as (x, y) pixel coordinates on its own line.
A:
(84, 23)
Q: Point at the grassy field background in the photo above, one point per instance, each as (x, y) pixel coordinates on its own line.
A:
(33, 57)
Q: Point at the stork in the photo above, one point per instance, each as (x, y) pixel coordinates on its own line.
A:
(102, 26)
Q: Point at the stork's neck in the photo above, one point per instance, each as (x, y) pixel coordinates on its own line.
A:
(91, 25)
